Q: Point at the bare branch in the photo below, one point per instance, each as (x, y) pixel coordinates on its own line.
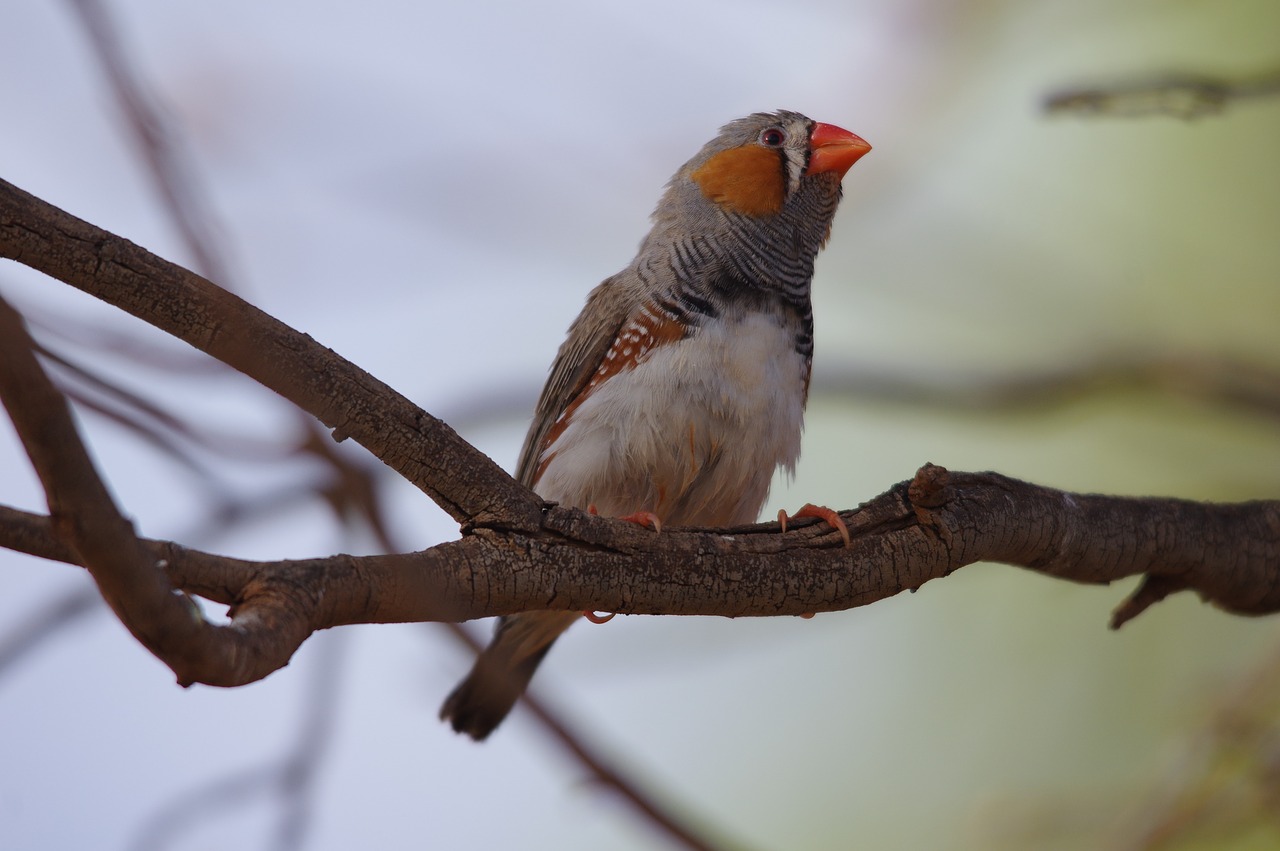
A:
(353, 403)
(173, 177)
(85, 516)
(287, 777)
(1235, 743)
(1177, 95)
(518, 553)
(430, 454)
(604, 769)
(1230, 383)
(375, 415)
(917, 531)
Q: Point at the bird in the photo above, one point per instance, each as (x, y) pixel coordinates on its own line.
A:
(681, 386)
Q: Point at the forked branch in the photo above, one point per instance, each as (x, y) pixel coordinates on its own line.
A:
(517, 553)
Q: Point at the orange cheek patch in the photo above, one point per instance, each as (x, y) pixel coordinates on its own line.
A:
(746, 180)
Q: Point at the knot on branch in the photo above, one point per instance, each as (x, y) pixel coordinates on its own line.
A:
(931, 487)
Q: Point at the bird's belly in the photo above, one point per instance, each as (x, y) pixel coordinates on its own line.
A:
(693, 433)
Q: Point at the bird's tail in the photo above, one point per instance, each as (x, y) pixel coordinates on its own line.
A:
(502, 672)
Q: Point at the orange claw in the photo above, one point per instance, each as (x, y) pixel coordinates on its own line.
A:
(594, 618)
(645, 518)
(820, 511)
(834, 520)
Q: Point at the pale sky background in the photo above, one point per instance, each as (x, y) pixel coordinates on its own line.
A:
(431, 191)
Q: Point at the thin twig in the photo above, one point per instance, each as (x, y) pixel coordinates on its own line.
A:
(1178, 95)
(603, 770)
(1239, 729)
(1246, 387)
(289, 777)
(173, 177)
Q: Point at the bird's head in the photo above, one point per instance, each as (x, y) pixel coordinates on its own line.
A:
(776, 171)
(757, 163)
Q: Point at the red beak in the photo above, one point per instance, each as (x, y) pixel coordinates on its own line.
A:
(832, 148)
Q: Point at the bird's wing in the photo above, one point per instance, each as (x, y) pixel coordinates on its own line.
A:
(590, 338)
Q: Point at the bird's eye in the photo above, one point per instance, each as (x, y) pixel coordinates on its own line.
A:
(773, 138)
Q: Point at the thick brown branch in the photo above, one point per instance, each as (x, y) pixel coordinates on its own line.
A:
(353, 403)
(518, 556)
(917, 531)
(86, 518)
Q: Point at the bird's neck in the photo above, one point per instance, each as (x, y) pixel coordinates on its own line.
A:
(769, 255)
(714, 280)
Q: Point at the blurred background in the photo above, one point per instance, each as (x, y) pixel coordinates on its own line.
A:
(1085, 296)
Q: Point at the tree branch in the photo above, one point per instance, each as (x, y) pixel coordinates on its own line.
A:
(518, 553)
(425, 451)
(1174, 94)
(174, 179)
(240, 574)
(917, 531)
(86, 518)
(1225, 382)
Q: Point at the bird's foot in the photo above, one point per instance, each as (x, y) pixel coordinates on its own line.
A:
(821, 511)
(643, 518)
(834, 520)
